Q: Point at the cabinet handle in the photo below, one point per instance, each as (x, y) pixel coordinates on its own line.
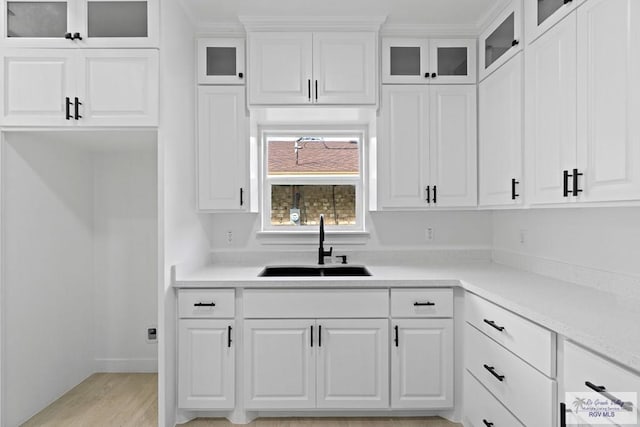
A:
(493, 325)
(316, 91)
(515, 43)
(422, 304)
(395, 340)
(602, 390)
(487, 423)
(427, 75)
(68, 108)
(434, 75)
(319, 335)
(77, 115)
(576, 190)
(229, 337)
(563, 414)
(565, 183)
(493, 372)
(514, 182)
(240, 75)
(241, 196)
(567, 1)
(309, 89)
(68, 36)
(428, 193)
(204, 304)
(311, 335)
(435, 194)
(76, 36)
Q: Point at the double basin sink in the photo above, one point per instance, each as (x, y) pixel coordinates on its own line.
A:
(314, 271)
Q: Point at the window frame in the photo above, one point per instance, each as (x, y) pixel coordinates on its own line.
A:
(359, 180)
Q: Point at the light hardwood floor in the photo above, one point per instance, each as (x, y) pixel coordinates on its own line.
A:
(131, 400)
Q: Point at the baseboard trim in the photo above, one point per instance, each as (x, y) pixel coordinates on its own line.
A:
(126, 365)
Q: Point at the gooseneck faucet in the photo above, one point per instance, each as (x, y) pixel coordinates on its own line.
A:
(321, 252)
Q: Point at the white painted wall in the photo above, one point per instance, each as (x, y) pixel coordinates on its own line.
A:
(605, 239)
(48, 273)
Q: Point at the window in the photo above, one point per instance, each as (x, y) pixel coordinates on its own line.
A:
(308, 174)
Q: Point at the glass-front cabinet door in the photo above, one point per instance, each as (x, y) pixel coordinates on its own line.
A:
(405, 61)
(80, 23)
(221, 61)
(541, 15)
(501, 40)
(452, 61)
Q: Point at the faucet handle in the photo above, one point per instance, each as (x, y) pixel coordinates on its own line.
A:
(330, 251)
(344, 258)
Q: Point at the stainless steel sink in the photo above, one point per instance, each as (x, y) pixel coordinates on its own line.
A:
(314, 271)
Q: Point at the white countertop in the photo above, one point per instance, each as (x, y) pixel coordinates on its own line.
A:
(605, 322)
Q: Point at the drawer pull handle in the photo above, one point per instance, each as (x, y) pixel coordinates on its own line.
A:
(487, 423)
(563, 414)
(493, 372)
(229, 336)
(395, 340)
(602, 390)
(204, 304)
(422, 304)
(493, 325)
(311, 325)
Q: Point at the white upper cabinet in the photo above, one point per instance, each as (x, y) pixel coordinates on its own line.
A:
(550, 128)
(541, 15)
(221, 61)
(609, 100)
(312, 68)
(502, 39)
(500, 136)
(80, 23)
(420, 61)
(63, 87)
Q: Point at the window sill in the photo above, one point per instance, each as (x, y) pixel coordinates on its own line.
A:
(350, 237)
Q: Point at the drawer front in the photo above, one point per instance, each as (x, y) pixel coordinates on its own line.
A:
(315, 303)
(581, 366)
(421, 302)
(482, 409)
(206, 303)
(531, 342)
(525, 391)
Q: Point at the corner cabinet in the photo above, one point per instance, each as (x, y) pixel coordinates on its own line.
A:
(80, 23)
(65, 87)
(502, 39)
(427, 146)
(312, 68)
(222, 148)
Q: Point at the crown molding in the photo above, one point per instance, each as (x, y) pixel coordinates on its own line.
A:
(306, 23)
(220, 29)
(491, 14)
(429, 30)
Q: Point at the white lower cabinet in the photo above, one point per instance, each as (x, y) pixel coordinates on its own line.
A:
(422, 364)
(482, 409)
(206, 373)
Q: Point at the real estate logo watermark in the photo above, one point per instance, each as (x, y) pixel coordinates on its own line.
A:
(590, 407)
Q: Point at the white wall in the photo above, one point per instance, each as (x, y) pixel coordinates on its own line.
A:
(605, 239)
(48, 273)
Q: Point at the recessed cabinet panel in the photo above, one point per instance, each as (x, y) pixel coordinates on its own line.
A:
(36, 19)
(221, 61)
(502, 39)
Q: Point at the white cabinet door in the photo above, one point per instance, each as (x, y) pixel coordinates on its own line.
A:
(502, 39)
(344, 68)
(222, 162)
(609, 100)
(542, 15)
(500, 135)
(550, 128)
(206, 367)
(279, 364)
(452, 145)
(119, 87)
(404, 147)
(405, 61)
(221, 61)
(452, 61)
(422, 364)
(36, 85)
(280, 68)
(353, 359)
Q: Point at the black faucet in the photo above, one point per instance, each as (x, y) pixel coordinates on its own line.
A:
(321, 252)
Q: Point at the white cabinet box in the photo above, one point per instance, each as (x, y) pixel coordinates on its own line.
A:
(312, 68)
(427, 146)
(221, 61)
(62, 87)
(501, 40)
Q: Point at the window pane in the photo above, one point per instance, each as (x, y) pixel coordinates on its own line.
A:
(117, 19)
(36, 19)
(221, 61)
(313, 156)
(500, 41)
(405, 61)
(546, 8)
(452, 61)
(303, 204)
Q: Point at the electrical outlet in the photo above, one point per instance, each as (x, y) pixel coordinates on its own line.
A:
(429, 234)
(229, 237)
(152, 334)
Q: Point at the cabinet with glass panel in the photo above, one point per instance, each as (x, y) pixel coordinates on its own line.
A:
(501, 40)
(221, 61)
(80, 23)
(542, 15)
(428, 61)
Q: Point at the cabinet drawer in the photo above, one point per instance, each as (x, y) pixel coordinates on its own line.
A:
(526, 392)
(421, 302)
(481, 406)
(315, 303)
(202, 303)
(582, 366)
(531, 342)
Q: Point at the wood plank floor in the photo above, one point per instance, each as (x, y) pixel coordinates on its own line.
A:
(131, 400)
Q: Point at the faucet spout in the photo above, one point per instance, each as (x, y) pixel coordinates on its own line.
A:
(321, 252)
